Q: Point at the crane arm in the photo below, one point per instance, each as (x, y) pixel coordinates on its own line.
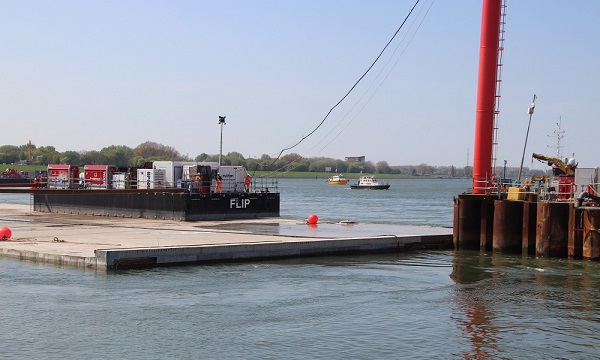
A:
(554, 161)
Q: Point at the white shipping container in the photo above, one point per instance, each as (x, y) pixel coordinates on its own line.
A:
(173, 170)
(118, 181)
(186, 169)
(178, 170)
(151, 179)
(233, 178)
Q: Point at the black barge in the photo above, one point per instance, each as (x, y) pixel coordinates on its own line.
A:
(168, 204)
(186, 191)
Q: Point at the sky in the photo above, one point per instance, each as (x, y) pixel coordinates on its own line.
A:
(84, 75)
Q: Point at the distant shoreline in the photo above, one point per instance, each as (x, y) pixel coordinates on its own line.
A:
(279, 175)
(351, 176)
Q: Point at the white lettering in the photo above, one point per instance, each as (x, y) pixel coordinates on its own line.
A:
(239, 203)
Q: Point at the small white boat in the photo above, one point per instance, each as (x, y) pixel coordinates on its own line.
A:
(369, 183)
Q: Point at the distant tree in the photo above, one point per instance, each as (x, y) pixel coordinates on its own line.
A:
(236, 159)
(253, 165)
(301, 165)
(92, 157)
(122, 155)
(278, 165)
(424, 169)
(151, 149)
(439, 170)
(137, 161)
(46, 155)
(266, 163)
(224, 161)
(320, 164)
(24, 151)
(355, 167)
(290, 158)
(212, 158)
(468, 171)
(340, 166)
(9, 154)
(383, 167)
(369, 167)
(201, 157)
(71, 157)
(285, 162)
(119, 155)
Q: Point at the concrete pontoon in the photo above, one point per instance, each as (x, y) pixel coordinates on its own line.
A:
(103, 243)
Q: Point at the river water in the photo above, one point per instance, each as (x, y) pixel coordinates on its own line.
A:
(417, 305)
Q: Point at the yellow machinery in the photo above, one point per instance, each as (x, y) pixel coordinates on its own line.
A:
(519, 193)
(567, 170)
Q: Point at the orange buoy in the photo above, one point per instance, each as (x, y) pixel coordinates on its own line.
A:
(5, 233)
(312, 219)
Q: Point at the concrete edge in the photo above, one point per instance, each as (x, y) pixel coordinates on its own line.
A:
(150, 257)
(54, 259)
(106, 259)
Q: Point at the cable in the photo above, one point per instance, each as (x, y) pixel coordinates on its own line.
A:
(351, 89)
(380, 84)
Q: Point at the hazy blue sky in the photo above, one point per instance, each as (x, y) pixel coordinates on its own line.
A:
(82, 75)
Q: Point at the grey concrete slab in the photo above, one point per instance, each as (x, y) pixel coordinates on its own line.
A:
(328, 230)
(87, 241)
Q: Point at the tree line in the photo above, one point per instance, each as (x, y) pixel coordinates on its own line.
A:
(123, 156)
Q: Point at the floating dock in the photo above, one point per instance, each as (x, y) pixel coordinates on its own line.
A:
(104, 243)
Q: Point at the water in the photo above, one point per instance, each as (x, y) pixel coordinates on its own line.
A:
(417, 305)
(407, 202)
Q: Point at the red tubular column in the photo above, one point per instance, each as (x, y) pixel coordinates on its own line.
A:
(486, 92)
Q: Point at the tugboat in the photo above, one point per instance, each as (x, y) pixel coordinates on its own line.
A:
(368, 182)
(337, 180)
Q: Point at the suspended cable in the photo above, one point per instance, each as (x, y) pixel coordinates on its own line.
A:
(351, 89)
(289, 166)
(374, 80)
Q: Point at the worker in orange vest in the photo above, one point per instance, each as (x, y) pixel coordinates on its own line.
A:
(247, 182)
(219, 185)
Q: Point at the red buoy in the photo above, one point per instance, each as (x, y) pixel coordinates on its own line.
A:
(312, 219)
(5, 233)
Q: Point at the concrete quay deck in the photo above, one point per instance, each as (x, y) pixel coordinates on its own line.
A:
(105, 243)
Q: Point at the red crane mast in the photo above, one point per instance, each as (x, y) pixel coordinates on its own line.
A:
(486, 93)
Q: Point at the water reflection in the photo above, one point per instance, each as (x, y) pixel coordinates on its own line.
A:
(548, 304)
(477, 323)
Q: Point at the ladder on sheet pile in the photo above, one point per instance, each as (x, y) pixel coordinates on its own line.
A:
(498, 89)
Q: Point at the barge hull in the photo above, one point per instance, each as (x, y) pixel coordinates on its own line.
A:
(159, 205)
